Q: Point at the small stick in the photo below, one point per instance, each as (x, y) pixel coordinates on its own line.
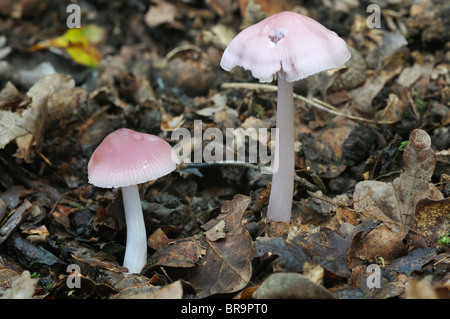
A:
(321, 105)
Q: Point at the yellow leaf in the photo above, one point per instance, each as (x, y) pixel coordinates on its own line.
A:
(78, 43)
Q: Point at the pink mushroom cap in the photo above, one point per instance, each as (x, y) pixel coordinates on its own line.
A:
(126, 157)
(289, 44)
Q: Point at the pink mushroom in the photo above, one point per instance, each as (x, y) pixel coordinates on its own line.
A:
(124, 159)
(286, 46)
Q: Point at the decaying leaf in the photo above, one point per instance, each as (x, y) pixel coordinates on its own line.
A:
(324, 149)
(158, 239)
(328, 249)
(378, 242)
(345, 215)
(98, 261)
(414, 261)
(184, 253)
(292, 257)
(226, 266)
(396, 201)
(85, 287)
(432, 218)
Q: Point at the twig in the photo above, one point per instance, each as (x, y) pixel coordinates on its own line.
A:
(228, 163)
(313, 102)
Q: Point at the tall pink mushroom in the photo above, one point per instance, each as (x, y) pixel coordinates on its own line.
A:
(286, 46)
(124, 159)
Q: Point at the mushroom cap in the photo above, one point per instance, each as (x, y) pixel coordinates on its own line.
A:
(126, 157)
(290, 44)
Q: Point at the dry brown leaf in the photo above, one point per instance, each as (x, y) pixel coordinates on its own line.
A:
(324, 149)
(396, 201)
(158, 239)
(379, 242)
(292, 257)
(184, 253)
(327, 249)
(345, 215)
(226, 266)
(432, 218)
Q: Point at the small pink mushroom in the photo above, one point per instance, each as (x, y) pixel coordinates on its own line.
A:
(124, 159)
(286, 46)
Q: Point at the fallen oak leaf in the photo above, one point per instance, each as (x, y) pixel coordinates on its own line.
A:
(183, 253)
(226, 267)
(396, 201)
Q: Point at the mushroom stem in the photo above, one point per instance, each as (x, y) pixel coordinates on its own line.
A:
(282, 190)
(136, 249)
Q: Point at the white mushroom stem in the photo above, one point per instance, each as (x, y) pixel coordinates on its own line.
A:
(136, 249)
(282, 190)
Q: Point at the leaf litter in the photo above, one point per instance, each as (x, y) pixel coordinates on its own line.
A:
(372, 164)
